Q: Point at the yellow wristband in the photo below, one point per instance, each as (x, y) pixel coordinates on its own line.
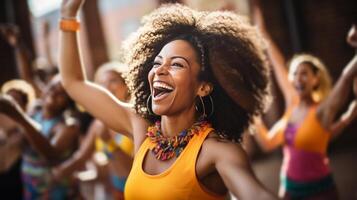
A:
(69, 25)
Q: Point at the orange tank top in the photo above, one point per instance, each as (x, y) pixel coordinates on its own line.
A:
(179, 181)
(311, 136)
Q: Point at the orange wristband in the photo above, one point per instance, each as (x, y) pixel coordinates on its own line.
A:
(69, 25)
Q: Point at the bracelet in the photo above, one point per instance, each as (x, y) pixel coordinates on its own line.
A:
(69, 24)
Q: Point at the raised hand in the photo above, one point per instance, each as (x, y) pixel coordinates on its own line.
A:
(10, 33)
(352, 36)
(70, 8)
(257, 15)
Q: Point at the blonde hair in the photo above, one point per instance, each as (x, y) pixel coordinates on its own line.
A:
(324, 85)
(117, 67)
(22, 86)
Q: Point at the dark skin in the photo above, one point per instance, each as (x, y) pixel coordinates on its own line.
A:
(12, 135)
(64, 135)
(176, 109)
(11, 34)
(352, 41)
(121, 162)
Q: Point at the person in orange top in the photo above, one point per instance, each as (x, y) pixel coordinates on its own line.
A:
(308, 124)
(190, 73)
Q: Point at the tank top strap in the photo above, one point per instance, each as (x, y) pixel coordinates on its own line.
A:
(192, 150)
(140, 154)
(314, 121)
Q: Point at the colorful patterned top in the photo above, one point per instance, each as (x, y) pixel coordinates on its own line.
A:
(36, 171)
(305, 170)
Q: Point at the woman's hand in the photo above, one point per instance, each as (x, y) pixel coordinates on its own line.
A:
(70, 8)
(352, 36)
(9, 107)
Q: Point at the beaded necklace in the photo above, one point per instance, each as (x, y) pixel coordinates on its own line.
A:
(167, 147)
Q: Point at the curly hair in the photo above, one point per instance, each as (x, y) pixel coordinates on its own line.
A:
(231, 54)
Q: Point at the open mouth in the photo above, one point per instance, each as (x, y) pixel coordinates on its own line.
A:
(160, 89)
(300, 87)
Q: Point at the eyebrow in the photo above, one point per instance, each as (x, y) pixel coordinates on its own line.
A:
(173, 57)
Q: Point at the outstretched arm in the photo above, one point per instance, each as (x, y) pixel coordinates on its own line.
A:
(45, 29)
(236, 172)
(329, 108)
(95, 99)
(348, 117)
(269, 140)
(79, 158)
(53, 150)
(275, 55)
(12, 35)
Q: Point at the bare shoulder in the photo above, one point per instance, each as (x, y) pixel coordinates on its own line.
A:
(224, 150)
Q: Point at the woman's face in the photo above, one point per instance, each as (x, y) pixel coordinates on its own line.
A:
(114, 83)
(304, 79)
(173, 79)
(55, 98)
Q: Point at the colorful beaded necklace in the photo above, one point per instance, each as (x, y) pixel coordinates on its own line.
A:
(167, 147)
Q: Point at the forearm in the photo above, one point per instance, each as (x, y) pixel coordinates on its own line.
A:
(350, 70)
(48, 50)
(24, 66)
(275, 55)
(267, 141)
(75, 163)
(69, 60)
(37, 141)
(280, 70)
(237, 174)
(343, 86)
(347, 118)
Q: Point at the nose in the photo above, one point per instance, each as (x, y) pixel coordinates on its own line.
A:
(162, 69)
(297, 77)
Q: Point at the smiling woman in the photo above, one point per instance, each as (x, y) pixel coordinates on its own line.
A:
(191, 76)
(310, 120)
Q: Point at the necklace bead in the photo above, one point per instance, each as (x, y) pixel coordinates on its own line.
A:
(167, 147)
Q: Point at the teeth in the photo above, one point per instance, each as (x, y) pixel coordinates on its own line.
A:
(162, 85)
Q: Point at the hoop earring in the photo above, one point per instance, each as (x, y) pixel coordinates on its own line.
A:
(212, 106)
(148, 106)
(204, 114)
(203, 107)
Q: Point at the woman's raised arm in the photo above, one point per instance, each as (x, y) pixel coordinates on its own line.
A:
(275, 55)
(95, 99)
(329, 108)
